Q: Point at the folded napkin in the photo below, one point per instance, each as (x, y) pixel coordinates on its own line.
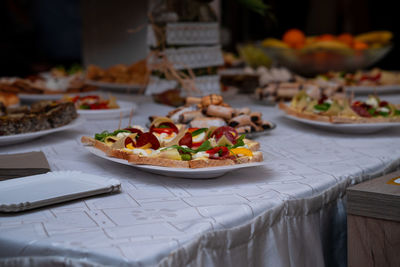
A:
(22, 164)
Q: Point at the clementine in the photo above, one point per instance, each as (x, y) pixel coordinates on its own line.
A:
(346, 38)
(295, 38)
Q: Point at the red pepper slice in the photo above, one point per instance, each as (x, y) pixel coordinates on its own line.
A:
(228, 131)
(89, 97)
(186, 140)
(196, 144)
(191, 130)
(168, 125)
(147, 138)
(221, 151)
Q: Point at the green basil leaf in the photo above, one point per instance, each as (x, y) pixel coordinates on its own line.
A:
(163, 126)
(371, 111)
(206, 145)
(101, 136)
(199, 131)
(397, 112)
(384, 114)
(239, 142)
(322, 107)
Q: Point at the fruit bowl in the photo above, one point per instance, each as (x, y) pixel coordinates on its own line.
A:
(310, 62)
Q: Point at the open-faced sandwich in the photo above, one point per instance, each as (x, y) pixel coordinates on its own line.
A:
(170, 145)
(342, 110)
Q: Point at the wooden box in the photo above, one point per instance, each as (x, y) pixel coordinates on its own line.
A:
(373, 222)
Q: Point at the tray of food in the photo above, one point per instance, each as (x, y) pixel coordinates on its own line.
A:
(96, 106)
(174, 150)
(24, 123)
(212, 111)
(120, 76)
(343, 114)
(46, 86)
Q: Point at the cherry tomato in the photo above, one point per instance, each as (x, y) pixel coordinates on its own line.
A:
(186, 140)
(147, 138)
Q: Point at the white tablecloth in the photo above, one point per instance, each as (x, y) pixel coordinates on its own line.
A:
(290, 212)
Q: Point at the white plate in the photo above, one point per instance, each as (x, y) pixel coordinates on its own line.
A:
(356, 128)
(116, 86)
(379, 89)
(125, 108)
(200, 173)
(54, 187)
(18, 138)
(52, 97)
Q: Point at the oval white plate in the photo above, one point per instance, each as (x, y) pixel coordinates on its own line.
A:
(125, 108)
(346, 127)
(18, 138)
(200, 173)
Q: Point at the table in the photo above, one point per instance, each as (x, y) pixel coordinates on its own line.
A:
(290, 212)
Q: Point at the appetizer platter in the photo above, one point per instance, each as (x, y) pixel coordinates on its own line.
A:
(39, 116)
(28, 122)
(100, 107)
(119, 76)
(169, 145)
(45, 85)
(366, 116)
(212, 111)
(363, 82)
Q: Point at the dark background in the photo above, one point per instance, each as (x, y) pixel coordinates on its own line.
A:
(39, 34)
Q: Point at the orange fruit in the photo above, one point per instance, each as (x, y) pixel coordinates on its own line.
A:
(357, 45)
(294, 38)
(346, 38)
(326, 37)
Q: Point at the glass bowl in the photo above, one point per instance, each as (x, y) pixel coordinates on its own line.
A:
(312, 62)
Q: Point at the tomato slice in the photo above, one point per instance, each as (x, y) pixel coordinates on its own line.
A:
(219, 152)
(147, 138)
(134, 130)
(228, 131)
(186, 140)
(361, 109)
